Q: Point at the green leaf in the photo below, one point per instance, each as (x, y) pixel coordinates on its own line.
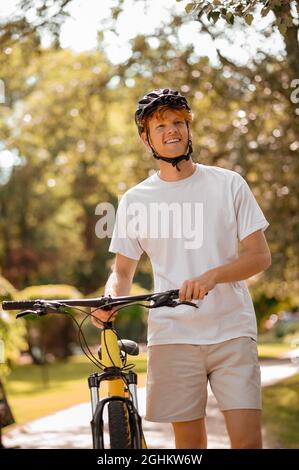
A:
(282, 28)
(115, 12)
(230, 17)
(239, 7)
(249, 19)
(223, 12)
(215, 16)
(189, 7)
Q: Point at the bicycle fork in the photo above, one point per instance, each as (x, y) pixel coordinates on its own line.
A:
(116, 387)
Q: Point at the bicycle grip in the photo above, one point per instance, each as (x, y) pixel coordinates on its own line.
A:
(18, 304)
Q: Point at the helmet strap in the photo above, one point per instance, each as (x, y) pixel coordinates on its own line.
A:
(174, 161)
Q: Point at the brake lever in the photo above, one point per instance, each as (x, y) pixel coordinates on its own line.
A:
(186, 302)
(25, 312)
(170, 303)
(38, 312)
(41, 309)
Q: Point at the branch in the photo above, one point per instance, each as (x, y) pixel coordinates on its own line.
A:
(23, 28)
(290, 36)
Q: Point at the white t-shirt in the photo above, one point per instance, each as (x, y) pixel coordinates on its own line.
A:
(188, 227)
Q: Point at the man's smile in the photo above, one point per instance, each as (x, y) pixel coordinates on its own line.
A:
(172, 141)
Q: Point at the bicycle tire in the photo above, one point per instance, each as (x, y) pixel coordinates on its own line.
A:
(119, 427)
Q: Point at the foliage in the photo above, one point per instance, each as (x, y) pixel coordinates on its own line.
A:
(131, 321)
(281, 413)
(272, 349)
(68, 121)
(58, 179)
(44, 15)
(284, 16)
(12, 332)
(50, 291)
(286, 328)
(53, 335)
(7, 290)
(273, 297)
(246, 9)
(269, 305)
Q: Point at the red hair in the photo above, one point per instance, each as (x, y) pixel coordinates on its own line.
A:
(161, 110)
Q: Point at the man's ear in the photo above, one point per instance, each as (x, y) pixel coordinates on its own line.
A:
(144, 138)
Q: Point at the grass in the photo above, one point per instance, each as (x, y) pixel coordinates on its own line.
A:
(272, 350)
(34, 391)
(281, 413)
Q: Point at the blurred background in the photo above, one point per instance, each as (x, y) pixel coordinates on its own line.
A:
(71, 72)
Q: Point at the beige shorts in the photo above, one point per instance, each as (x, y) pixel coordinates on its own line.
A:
(178, 375)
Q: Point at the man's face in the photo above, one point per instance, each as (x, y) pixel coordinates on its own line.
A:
(168, 134)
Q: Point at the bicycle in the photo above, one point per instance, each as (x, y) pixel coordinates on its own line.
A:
(124, 421)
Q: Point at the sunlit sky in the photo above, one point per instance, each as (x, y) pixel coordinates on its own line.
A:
(79, 32)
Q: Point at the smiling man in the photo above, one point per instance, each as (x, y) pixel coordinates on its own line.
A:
(187, 347)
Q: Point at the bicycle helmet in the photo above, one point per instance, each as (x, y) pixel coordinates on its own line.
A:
(148, 104)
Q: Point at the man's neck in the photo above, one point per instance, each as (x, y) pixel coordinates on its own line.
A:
(168, 172)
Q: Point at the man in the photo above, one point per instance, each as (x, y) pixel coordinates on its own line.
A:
(188, 346)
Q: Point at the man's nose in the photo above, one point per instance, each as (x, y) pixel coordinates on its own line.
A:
(171, 129)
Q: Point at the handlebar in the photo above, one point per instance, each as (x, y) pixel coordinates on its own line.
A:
(40, 306)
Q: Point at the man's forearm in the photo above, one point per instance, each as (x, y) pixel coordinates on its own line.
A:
(255, 259)
(247, 265)
(117, 285)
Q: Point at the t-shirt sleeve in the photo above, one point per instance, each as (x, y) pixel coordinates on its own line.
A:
(124, 240)
(249, 215)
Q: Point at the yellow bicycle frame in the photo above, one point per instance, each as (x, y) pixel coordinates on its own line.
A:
(111, 358)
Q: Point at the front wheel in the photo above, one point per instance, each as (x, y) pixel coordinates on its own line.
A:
(119, 427)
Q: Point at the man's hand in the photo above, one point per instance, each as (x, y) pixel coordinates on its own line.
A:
(255, 258)
(198, 287)
(119, 283)
(100, 316)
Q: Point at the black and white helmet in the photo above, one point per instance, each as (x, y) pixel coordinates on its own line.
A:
(156, 98)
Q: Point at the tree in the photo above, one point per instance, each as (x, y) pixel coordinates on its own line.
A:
(69, 153)
(54, 335)
(44, 14)
(285, 15)
(245, 120)
(12, 331)
(277, 78)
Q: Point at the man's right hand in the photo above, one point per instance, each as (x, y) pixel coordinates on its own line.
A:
(100, 316)
(119, 283)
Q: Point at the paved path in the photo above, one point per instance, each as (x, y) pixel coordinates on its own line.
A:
(70, 428)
